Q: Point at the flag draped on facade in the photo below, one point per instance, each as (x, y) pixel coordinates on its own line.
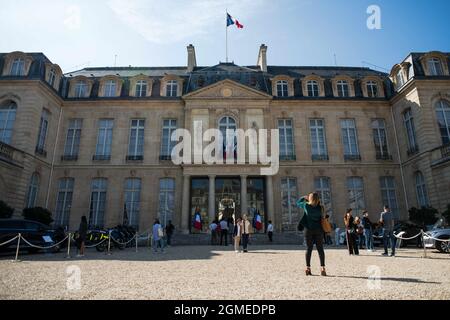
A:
(197, 223)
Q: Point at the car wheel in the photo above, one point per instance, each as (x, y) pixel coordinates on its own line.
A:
(443, 246)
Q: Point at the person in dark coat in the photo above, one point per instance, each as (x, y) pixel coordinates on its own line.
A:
(82, 233)
(351, 230)
(169, 232)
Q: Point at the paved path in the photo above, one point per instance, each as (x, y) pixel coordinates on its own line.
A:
(199, 273)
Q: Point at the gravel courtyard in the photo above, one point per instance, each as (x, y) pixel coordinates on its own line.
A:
(199, 273)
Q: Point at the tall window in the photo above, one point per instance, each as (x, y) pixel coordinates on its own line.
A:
(171, 88)
(318, 140)
(443, 116)
(18, 67)
(228, 123)
(289, 197)
(132, 201)
(421, 190)
(141, 88)
(64, 201)
(169, 126)
(322, 186)
(408, 121)
(350, 139)
(110, 88)
(8, 111)
(286, 139)
(33, 189)
(400, 79)
(52, 77)
(42, 136)
(104, 139)
(372, 89)
(282, 88)
(313, 88)
(72, 145)
(343, 89)
(166, 200)
(136, 144)
(355, 187)
(387, 185)
(98, 202)
(435, 67)
(81, 89)
(380, 139)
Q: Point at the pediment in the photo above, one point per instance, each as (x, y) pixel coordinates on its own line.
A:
(227, 89)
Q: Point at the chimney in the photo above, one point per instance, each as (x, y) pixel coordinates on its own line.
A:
(262, 58)
(192, 61)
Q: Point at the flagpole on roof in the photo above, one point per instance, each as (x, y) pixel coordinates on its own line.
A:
(226, 36)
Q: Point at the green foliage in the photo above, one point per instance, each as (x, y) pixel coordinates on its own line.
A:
(423, 216)
(6, 211)
(38, 214)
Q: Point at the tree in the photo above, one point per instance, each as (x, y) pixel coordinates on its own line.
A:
(38, 214)
(6, 211)
(423, 216)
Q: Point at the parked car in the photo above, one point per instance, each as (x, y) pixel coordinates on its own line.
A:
(34, 232)
(440, 230)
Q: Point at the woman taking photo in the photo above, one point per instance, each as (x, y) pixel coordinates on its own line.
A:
(311, 222)
(351, 232)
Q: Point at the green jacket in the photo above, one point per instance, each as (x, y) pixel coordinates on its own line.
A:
(312, 218)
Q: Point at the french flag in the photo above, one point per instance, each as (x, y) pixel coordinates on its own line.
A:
(231, 21)
(198, 221)
(258, 222)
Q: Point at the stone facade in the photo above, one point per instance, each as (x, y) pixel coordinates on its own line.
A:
(248, 95)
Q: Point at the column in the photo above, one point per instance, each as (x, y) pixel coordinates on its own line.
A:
(212, 198)
(185, 206)
(269, 199)
(244, 205)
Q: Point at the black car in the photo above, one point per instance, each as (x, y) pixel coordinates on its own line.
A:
(410, 230)
(34, 232)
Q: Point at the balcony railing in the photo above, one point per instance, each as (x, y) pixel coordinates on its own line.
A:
(98, 157)
(10, 154)
(288, 157)
(387, 157)
(352, 157)
(165, 158)
(6, 151)
(135, 158)
(321, 157)
(69, 157)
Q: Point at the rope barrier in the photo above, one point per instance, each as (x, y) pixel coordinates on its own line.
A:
(97, 244)
(427, 236)
(40, 247)
(123, 243)
(401, 238)
(11, 240)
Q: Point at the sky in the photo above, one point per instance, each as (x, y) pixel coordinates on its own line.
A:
(83, 33)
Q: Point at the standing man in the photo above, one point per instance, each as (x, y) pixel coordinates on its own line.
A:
(169, 232)
(270, 231)
(387, 221)
(246, 230)
(368, 231)
(224, 231)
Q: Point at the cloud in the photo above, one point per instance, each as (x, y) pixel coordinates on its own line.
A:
(72, 19)
(176, 20)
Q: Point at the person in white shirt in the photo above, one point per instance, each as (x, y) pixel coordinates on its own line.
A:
(224, 231)
(157, 235)
(212, 228)
(237, 235)
(270, 231)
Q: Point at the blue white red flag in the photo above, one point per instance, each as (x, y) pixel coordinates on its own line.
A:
(231, 21)
(197, 221)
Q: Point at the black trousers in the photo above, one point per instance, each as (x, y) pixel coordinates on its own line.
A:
(224, 234)
(245, 241)
(314, 237)
(270, 234)
(352, 243)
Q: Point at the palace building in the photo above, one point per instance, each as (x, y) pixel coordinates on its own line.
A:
(97, 141)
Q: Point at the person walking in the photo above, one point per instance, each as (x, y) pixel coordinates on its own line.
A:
(327, 229)
(224, 231)
(237, 235)
(169, 232)
(82, 233)
(311, 221)
(387, 221)
(213, 229)
(157, 235)
(351, 233)
(270, 231)
(368, 231)
(246, 231)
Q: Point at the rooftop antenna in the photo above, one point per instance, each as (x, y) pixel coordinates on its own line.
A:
(115, 61)
(374, 65)
(335, 60)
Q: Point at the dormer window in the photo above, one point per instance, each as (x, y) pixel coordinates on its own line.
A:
(399, 79)
(372, 89)
(282, 88)
(435, 67)
(110, 88)
(343, 89)
(171, 88)
(18, 67)
(141, 88)
(81, 89)
(52, 77)
(313, 88)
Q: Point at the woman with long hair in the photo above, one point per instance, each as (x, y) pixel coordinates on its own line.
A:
(82, 233)
(351, 233)
(311, 222)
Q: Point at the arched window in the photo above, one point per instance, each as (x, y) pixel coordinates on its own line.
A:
(372, 89)
(342, 88)
(399, 79)
(313, 88)
(171, 88)
(110, 88)
(52, 77)
(141, 88)
(81, 89)
(132, 202)
(64, 201)
(443, 117)
(98, 202)
(229, 147)
(18, 67)
(33, 189)
(421, 189)
(282, 88)
(435, 67)
(8, 111)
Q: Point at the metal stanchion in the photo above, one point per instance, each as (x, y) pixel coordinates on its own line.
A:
(136, 241)
(17, 250)
(68, 245)
(424, 247)
(109, 243)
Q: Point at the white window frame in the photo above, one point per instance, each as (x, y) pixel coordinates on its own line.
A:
(315, 126)
(169, 126)
(141, 88)
(400, 79)
(107, 126)
(8, 112)
(33, 190)
(43, 130)
(433, 69)
(64, 201)
(386, 192)
(99, 191)
(18, 67)
(347, 133)
(421, 190)
(313, 88)
(81, 89)
(353, 188)
(343, 89)
(282, 89)
(291, 183)
(134, 144)
(372, 89)
(408, 120)
(52, 77)
(110, 88)
(289, 148)
(166, 190)
(379, 128)
(228, 123)
(72, 146)
(132, 198)
(172, 88)
(443, 112)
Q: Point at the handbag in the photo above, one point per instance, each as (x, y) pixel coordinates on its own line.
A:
(160, 232)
